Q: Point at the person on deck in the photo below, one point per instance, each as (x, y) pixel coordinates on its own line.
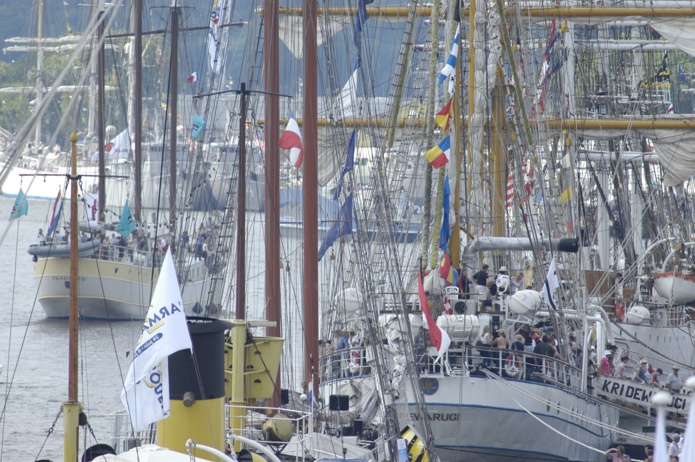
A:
(617, 455)
(481, 277)
(673, 382)
(643, 372)
(464, 284)
(605, 366)
(674, 448)
(655, 377)
(621, 367)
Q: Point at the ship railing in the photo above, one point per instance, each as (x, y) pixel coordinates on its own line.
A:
(340, 364)
(460, 360)
(123, 438)
(128, 255)
(514, 364)
(255, 418)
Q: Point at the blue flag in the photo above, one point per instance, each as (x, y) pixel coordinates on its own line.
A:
(445, 232)
(198, 125)
(127, 224)
(349, 165)
(341, 227)
(20, 206)
(681, 74)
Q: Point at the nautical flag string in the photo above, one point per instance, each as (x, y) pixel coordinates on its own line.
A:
(440, 154)
(451, 60)
(443, 117)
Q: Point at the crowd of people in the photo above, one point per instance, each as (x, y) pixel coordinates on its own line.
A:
(137, 246)
(674, 449)
(643, 372)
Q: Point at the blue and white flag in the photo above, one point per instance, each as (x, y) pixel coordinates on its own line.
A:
(349, 165)
(20, 206)
(451, 61)
(127, 224)
(341, 227)
(198, 125)
(146, 388)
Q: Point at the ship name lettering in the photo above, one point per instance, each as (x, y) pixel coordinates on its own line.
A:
(438, 417)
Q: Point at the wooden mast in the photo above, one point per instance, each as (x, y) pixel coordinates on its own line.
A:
(271, 58)
(310, 190)
(137, 123)
(72, 408)
(173, 108)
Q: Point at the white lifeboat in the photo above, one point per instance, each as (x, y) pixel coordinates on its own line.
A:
(460, 327)
(637, 314)
(677, 288)
(525, 301)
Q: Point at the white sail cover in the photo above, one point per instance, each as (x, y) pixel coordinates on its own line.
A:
(675, 148)
(292, 32)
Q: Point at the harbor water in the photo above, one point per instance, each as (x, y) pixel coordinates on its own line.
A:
(34, 350)
(34, 355)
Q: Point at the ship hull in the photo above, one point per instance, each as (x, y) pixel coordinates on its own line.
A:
(482, 419)
(111, 290)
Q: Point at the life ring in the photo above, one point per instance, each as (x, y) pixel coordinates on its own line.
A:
(512, 366)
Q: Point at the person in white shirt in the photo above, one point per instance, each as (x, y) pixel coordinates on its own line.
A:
(674, 447)
(673, 382)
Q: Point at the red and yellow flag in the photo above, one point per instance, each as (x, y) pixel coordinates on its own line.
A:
(443, 117)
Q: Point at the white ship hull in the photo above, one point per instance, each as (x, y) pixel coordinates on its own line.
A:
(481, 419)
(111, 289)
(662, 345)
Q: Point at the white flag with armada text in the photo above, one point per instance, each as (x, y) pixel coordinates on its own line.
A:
(164, 332)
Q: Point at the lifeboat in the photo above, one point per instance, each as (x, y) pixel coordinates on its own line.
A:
(677, 288)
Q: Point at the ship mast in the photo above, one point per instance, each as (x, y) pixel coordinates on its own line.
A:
(271, 61)
(310, 189)
(72, 408)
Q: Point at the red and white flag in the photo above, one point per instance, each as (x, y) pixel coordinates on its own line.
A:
(292, 139)
(669, 110)
(193, 77)
(440, 339)
(510, 189)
